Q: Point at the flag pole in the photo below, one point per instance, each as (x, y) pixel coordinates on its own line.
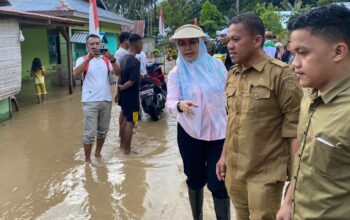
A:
(93, 18)
(162, 32)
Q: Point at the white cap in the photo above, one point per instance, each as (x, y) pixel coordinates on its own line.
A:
(188, 31)
(223, 32)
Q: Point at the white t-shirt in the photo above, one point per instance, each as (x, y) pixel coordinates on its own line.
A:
(96, 83)
(143, 62)
(121, 52)
(270, 48)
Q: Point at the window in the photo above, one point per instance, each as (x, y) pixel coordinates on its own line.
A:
(54, 47)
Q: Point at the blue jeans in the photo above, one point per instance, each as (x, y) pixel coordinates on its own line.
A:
(199, 158)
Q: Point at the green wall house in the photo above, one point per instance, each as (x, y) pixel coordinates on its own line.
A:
(35, 45)
(14, 44)
(48, 43)
(110, 26)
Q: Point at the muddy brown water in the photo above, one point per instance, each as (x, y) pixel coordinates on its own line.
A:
(43, 174)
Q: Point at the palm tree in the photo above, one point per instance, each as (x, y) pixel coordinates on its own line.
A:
(293, 8)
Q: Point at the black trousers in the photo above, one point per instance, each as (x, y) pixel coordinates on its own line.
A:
(199, 158)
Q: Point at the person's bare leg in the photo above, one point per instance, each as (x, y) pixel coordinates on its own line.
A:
(122, 131)
(39, 99)
(99, 144)
(128, 137)
(87, 151)
(42, 98)
(121, 117)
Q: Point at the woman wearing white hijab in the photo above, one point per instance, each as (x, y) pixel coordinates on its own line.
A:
(196, 94)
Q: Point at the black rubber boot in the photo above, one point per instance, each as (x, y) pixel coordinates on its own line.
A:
(222, 208)
(196, 201)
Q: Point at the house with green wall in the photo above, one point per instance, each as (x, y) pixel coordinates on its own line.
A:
(48, 42)
(12, 37)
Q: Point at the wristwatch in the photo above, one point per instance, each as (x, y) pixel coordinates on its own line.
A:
(178, 107)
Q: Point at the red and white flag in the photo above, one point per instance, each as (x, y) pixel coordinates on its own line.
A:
(93, 18)
(161, 23)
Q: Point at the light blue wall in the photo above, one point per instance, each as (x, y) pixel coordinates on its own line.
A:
(112, 42)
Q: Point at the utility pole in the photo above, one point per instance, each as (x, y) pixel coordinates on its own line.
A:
(155, 13)
(237, 6)
(142, 9)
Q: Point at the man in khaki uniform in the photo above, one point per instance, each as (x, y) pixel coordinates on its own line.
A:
(263, 99)
(320, 188)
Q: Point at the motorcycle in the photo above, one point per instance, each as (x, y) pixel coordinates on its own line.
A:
(153, 91)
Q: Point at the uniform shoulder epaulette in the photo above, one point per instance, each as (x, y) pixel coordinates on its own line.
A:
(279, 63)
(233, 68)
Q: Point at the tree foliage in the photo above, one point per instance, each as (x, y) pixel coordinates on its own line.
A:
(179, 12)
(132, 9)
(326, 2)
(210, 18)
(323, 2)
(270, 18)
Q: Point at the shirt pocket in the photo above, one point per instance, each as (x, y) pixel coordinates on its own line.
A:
(259, 100)
(230, 93)
(327, 160)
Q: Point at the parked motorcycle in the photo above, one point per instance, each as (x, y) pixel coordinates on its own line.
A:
(153, 91)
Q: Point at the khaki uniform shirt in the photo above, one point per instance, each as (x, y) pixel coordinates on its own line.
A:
(263, 104)
(322, 166)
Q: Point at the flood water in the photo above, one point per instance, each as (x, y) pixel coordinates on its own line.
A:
(43, 174)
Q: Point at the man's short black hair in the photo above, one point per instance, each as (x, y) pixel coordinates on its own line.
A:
(92, 36)
(124, 36)
(252, 23)
(134, 38)
(331, 23)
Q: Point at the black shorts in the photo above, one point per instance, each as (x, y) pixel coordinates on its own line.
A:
(132, 117)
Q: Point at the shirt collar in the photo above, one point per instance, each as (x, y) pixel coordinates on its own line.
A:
(339, 87)
(331, 93)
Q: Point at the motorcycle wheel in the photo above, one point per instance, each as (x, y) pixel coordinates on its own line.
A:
(155, 114)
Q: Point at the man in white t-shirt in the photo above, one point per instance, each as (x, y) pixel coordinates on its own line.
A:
(123, 46)
(120, 53)
(96, 95)
(143, 63)
(269, 46)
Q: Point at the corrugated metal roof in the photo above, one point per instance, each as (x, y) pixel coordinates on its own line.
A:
(80, 37)
(4, 3)
(83, 7)
(10, 12)
(36, 5)
(79, 8)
